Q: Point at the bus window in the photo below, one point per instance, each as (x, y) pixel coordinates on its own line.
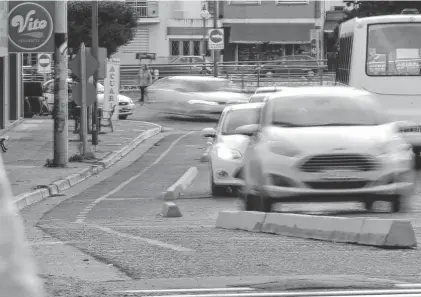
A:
(393, 50)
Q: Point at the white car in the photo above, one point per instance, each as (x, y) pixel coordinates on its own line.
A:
(228, 147)
(126, 104)
(325, 144)
(260, 97)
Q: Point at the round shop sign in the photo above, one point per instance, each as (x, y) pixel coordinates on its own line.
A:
(44, 60)
(216, 36)
(30, 26)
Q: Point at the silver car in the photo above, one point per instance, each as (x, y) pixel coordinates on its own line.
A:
(194, 96)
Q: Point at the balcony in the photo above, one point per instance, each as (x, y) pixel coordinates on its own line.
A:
(147, 11)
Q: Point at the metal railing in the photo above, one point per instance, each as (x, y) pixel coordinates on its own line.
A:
(246, 75)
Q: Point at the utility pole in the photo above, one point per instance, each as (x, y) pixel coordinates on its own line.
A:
(215, 26)
(94, 52)
(83, 110)
(60, 112)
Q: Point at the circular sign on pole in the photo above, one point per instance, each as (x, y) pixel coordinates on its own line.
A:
(44, 60)
(216, 39)
(30, 26)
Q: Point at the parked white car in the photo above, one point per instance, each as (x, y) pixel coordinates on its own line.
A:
(228, 147)
(325, 144)
(126, 104)
(272, 89)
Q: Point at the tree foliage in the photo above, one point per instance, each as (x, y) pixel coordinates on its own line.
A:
(363, 9)
(117, 24)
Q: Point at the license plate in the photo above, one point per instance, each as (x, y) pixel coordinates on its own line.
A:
(340, 175)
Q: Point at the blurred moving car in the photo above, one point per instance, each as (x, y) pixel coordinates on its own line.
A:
(184, 65)
(262, 93)
(261, 97)
(126, 104)
(228, 147)
(194, 96)
(325, 144)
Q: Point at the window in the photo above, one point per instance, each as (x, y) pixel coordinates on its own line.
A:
(196, 48)
(175, 48)
(244, 2)
(393, 50)
(29, 60)
(238, 118)
(343, 60)
(208, 52)
(291, 2)
(186, 48)
(325, 111)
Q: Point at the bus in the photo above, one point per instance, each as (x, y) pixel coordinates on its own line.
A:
(382, 54)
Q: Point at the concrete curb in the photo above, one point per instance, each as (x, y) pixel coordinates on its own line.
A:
(386, 233)
(28, 198)
(177, 189)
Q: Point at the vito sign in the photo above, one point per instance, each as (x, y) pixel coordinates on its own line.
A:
(31, 26)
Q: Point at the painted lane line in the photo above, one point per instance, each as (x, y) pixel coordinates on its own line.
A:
(82, 215)
(144, 239)
(371, 293)
(239, 289)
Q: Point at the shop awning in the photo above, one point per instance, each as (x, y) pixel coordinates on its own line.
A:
(271, 33)
(330, 26)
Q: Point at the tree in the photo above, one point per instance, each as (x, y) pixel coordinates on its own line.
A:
(117, 24)
(363, 9)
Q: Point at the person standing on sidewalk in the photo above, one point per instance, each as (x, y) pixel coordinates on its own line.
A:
(144, 79)
(18, 273)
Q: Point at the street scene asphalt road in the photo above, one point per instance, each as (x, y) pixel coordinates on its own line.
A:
(116, 221)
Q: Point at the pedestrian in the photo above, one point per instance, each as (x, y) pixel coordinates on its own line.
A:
(18, 273)
(144, 78)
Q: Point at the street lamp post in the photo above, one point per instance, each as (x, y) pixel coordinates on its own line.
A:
(204, 14)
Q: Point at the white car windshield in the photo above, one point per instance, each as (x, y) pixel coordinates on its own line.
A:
(320, 111)
(238, 118)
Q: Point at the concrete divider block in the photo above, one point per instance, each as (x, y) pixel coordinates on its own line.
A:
(251, 221)
(347, 230)
(74, 179)
(387, 233)
(171, 210)
(177, 189)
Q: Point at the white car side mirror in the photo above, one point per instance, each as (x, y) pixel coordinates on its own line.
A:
(209, 132)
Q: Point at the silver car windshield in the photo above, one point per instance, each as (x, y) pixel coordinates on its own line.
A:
(319, 111)
(238, 118)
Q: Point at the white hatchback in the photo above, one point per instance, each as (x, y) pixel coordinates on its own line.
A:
(228, 147)
(325, 144)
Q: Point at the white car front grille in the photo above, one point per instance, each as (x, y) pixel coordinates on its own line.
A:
(355, 162)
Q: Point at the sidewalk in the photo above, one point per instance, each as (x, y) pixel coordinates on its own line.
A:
(30, 144)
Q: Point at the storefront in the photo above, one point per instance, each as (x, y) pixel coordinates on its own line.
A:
(263, 42)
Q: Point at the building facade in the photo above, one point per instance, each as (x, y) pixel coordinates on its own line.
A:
(167, 29)
(269, 29)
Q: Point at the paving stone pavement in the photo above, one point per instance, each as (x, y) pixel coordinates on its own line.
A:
(31, 144)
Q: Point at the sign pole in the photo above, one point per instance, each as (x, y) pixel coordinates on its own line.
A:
(95, 123)
(60, 85)
(83, 110)
(215, 26)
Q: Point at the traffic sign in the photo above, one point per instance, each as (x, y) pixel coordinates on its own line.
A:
(77, 94)
(44, 63)
(216, 39)
(92, 65)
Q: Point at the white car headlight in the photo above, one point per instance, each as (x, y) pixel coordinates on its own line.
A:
(392, 146)
(282, 148)
(226, 153)
(202, 102)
